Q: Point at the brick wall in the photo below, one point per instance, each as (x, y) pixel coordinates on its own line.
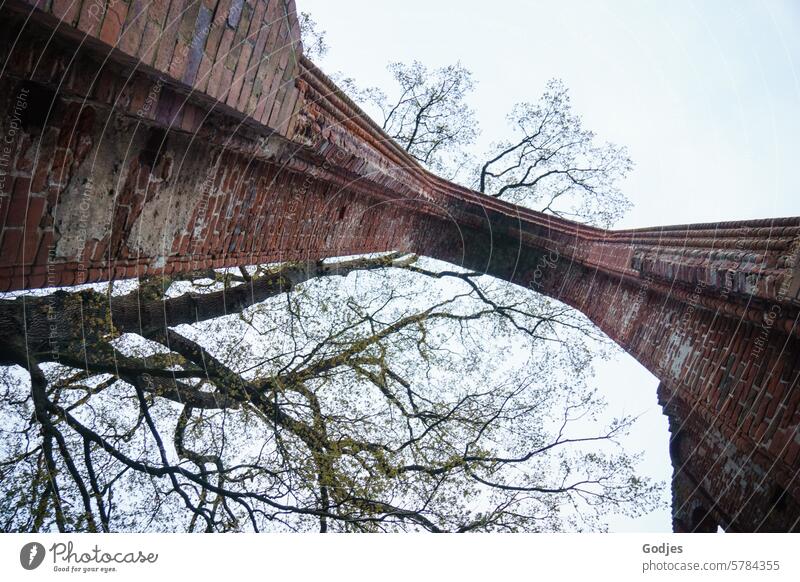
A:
(242, 53)
(115, 170)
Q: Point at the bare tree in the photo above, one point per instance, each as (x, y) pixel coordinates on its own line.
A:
(554, 164)
(335, 396)
(314, 44)
(551, 163)
(427, 115)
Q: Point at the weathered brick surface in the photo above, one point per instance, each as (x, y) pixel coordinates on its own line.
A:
(190, 134)
(202, 45)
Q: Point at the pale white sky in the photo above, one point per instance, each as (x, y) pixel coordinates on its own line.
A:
(705, 94)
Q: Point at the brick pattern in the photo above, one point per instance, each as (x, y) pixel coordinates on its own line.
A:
(722, 477)
(731, 385)
(202, 140)
(126, 175)
(242, 53)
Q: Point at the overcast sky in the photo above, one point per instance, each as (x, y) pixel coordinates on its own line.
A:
(705, 94)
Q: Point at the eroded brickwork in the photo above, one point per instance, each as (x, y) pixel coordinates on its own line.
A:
(114, 170)
(147, 137)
